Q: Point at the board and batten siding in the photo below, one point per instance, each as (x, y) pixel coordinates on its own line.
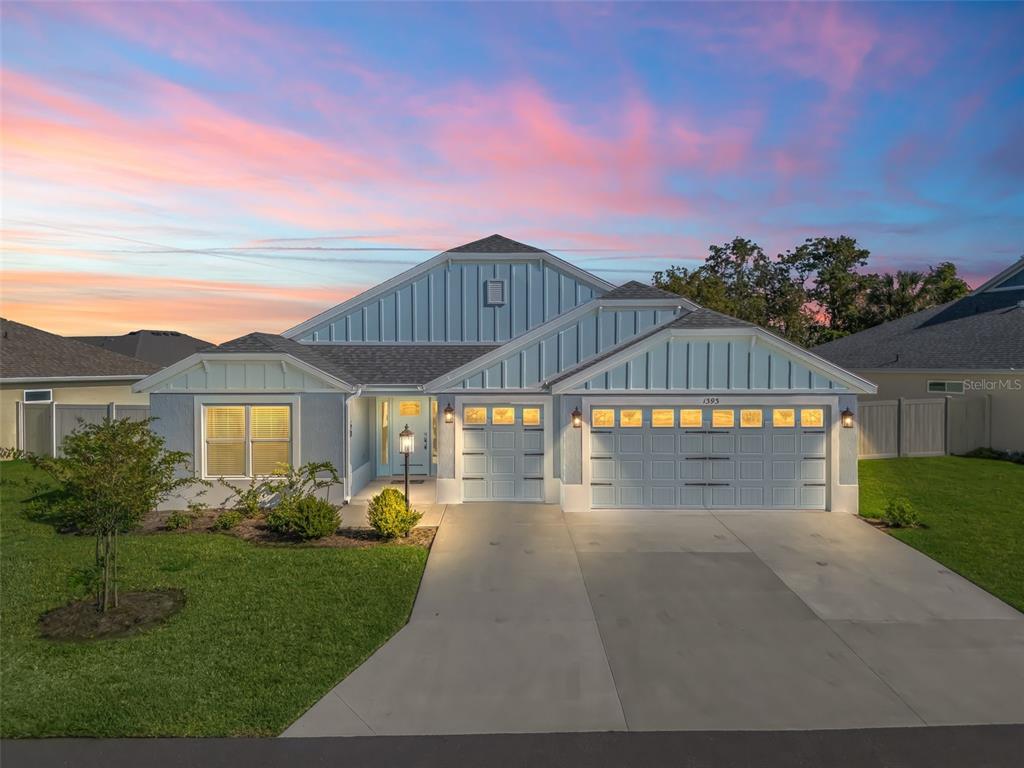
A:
(567, 346)
(710, 365)
(243, 376)
(448, 304)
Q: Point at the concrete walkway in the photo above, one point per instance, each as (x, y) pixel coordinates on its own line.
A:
(529, 620)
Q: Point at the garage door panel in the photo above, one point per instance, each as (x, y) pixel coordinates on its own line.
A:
(812, 497)
(533, 465)
(603, 496)
(533, 440)
(784, 497)
(663, 469)
(752, 496)
(813, 443)
(503, 465)
(533, 488)
(630, 443)
(631, 496)
(631, 470)
(503, 489)
(783, 470)
(474, 465)
(783, 443)
(691, 496)
(663, 444)
(751, 470)
(691, 443)
(474, 490)
(723, 470)
(602, 469)
(474, 439)
(691, 470)
(602, 443)
(503, 440)
(812, 469)
(723, 443)
(663, 496)
(722, 496)
(750, 443)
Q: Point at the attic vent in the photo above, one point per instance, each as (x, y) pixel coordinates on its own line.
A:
(495, 293)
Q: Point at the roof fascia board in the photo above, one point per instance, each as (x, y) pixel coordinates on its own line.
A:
(813, 362)
(51, 379)
(1006, 274)
(490, 358)
(429, 264)
(150, 383)
(943, 371)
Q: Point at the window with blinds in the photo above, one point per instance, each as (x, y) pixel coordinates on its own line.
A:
(247, 440)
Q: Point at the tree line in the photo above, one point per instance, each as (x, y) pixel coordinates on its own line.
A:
(810, 294)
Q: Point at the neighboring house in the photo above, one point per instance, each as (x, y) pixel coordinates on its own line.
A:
(525, 378)
(971, 350)
(159, 347)
(40, 370)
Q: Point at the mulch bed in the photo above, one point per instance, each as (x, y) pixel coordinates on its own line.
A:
(135, 612)
(256, 531)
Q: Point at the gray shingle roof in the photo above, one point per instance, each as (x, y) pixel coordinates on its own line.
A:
(367, 363)
(495, 244)
(27, 352)
(697, 319)
(637, 290)
(160, 347)
(980, 331)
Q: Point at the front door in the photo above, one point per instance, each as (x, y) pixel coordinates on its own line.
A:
(413, 412)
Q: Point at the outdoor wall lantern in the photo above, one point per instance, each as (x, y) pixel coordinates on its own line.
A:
(406, 442)
(449, 414)
(847, 418)
(577, 418)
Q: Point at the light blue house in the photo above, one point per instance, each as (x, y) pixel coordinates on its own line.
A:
(525, 378)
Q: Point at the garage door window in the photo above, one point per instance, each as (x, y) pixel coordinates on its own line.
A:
(602, 417)
(812, 417)
(631, 417)
(531, 417)
(751, 418)
(691, 417)
(663, 417)
(723, 418)
(474, 415)
(503, 415)
(784, 417)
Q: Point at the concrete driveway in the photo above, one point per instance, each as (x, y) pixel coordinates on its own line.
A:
(529, 620)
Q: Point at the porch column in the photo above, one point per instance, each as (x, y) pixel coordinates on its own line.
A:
(575, 498)
(448, 491)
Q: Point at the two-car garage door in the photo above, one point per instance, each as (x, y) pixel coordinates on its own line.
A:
(709, 457)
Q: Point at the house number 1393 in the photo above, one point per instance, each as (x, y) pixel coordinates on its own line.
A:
(710, 401)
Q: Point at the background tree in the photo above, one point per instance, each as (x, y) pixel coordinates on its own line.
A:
(111, 474)
(836, 291)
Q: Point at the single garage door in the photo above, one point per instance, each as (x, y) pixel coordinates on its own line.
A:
(709, 457)
(502, 453)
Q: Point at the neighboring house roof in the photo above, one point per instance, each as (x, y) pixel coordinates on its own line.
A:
(28, 353)
(379, 364)
(637, 290)
(495, 244)
(981, 331)
(160, 347)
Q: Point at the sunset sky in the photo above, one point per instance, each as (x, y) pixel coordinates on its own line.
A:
(218, 169)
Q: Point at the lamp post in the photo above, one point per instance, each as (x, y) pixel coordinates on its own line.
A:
(406, 440)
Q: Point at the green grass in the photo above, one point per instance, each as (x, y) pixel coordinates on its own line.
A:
(265, 632)
(973, 510)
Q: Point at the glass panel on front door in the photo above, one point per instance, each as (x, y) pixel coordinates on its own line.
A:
(396, 414)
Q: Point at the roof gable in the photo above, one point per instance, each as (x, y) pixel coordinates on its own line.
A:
(1010, 278)
(445, 299)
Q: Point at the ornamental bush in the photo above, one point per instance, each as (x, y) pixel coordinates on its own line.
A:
(306, 517)
(900, 513)
(388, 515)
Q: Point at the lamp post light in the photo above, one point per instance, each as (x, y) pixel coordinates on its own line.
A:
(406, 441)
(847, 418)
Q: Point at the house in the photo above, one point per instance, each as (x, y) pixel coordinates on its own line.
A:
(47, 382)
(970, 351)
(159, 347)
(525, 378)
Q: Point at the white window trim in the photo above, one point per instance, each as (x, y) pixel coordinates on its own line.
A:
(25, 399)
(945, 387)
(199, 416)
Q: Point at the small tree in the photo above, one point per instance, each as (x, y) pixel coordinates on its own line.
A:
(111, 474)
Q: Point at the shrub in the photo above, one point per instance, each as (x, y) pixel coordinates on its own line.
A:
(284, 484)
(306, 517)
(178, 520)
(1017, 457)
(389, 517)
(900, 513)
(227, 520)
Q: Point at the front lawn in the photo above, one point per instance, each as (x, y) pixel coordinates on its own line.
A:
(973, 510)
(265, 631)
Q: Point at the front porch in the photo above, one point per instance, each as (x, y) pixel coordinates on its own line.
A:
(422, 495)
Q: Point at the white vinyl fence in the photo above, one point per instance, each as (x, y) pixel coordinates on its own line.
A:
(923, 426)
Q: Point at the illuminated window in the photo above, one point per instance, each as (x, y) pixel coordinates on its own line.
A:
(385, 431)
(691, 417)
(409, 408)
(723, 418)
(247, 440)
(812, 417)
(751, 417)
(631, 417)
(503, 415)
(472, 414)
(531, 417)
(602, 417)
(784, 417)
(663, 417)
